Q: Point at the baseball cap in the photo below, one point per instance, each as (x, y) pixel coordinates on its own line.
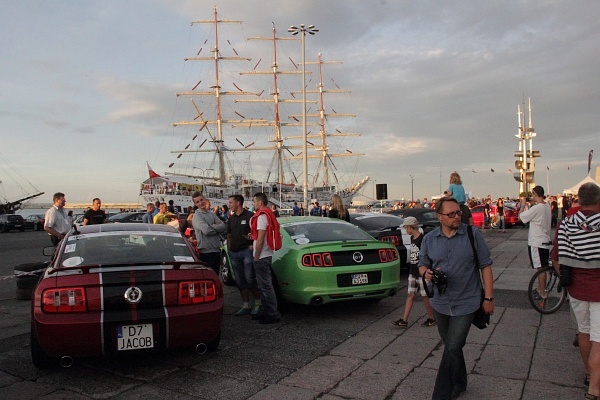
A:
(538, 190)
(410, 221)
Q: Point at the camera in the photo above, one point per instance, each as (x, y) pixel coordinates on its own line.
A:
(440, 280)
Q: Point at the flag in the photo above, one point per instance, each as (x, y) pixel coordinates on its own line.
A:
(151, 172)
(547, 168)
(590, 160)
(492, 169)
(510, 170)
(473, 171)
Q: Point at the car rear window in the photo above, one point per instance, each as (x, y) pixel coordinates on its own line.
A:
(117, 248)
(317, 232)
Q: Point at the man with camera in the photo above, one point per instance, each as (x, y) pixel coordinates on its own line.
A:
(447, 259)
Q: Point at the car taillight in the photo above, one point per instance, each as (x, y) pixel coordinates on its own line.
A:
(64, 300)
(197, 292)
(391, 239)
(317, 260)
(388, 255)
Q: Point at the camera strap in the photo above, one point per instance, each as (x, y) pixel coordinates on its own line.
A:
(472, 240)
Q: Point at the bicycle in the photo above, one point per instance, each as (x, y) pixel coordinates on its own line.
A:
(552, 298)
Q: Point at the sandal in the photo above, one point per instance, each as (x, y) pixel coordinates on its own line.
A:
(401, 323)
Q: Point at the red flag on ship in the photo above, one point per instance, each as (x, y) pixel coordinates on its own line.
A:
(151, 172)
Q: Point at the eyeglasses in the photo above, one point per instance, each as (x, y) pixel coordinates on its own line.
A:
(452, 214)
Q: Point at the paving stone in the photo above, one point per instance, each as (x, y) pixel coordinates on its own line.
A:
(362, 345)
(7, 379)
(323, 373)
(278, 392)
(505, 361)
(373, 380)
(25, 390)
(209, 386)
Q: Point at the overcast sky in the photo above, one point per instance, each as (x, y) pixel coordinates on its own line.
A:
(88, 88)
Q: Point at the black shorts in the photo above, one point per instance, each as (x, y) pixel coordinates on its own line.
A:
(538, 256)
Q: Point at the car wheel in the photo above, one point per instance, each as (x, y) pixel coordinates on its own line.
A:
(36, 227)
(5, 229)
(22, 229)
(27, 282)
(40, 359)
(30, 267)
(213, 344)
(23, 294)
(226, 276)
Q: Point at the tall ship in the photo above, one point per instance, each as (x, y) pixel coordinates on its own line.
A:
(245, 146)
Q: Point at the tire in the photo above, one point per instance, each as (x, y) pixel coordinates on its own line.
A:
(27, 282)
(39, 358)
(214, 344)
(23, 294)
(225, 268)
(29, 267)
(36, 227)
(555, 293)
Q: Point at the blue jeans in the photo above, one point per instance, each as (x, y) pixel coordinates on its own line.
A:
(452, 373)
(243, 266)
(265, 285)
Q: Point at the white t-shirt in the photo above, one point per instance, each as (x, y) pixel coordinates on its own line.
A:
(261, 225)
(540, 225)
(57, 218)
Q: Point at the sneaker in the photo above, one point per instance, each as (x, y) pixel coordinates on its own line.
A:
(257, 309)
(243, 311)
(429, 323)
(400, 323)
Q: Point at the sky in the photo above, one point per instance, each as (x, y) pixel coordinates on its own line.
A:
(88, 89)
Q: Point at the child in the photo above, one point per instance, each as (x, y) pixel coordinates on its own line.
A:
(414, 279)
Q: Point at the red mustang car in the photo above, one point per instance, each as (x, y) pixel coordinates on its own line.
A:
(510, 215)
(123, 288)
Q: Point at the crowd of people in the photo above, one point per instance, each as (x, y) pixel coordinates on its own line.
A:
(454, 253)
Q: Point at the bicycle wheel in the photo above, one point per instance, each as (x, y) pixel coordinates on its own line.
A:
(551, 299)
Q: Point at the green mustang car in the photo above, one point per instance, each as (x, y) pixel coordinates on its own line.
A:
(324, 260)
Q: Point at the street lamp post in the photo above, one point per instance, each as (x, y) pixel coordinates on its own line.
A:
(294, 31)
(412, 188)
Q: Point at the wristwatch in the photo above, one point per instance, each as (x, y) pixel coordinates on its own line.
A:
(488, 298)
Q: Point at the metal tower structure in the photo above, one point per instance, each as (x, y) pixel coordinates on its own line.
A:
(525, 162)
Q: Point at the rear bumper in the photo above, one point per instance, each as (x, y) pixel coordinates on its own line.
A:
(85, 334)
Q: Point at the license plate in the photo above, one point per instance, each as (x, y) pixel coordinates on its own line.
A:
(360, 279)
(135, 337)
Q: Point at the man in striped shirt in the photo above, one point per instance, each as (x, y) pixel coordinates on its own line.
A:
(579, 248)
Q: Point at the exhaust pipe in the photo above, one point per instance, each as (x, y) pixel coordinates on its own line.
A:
(201, 348)
(393, 292)
(316, 301)
(66, 361)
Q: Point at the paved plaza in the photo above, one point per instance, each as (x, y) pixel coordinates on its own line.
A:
(348, 351)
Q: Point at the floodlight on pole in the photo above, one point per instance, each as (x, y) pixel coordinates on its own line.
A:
(294, 31)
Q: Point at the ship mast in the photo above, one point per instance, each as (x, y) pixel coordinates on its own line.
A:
(216, 92)
(276, 99)
(324, 154)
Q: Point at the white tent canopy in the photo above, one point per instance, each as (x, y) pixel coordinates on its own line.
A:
(573, 190)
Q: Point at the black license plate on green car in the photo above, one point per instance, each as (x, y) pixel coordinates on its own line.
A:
(359, 279)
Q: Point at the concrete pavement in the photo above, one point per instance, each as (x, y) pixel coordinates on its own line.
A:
(338, 352)
(521, 355)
